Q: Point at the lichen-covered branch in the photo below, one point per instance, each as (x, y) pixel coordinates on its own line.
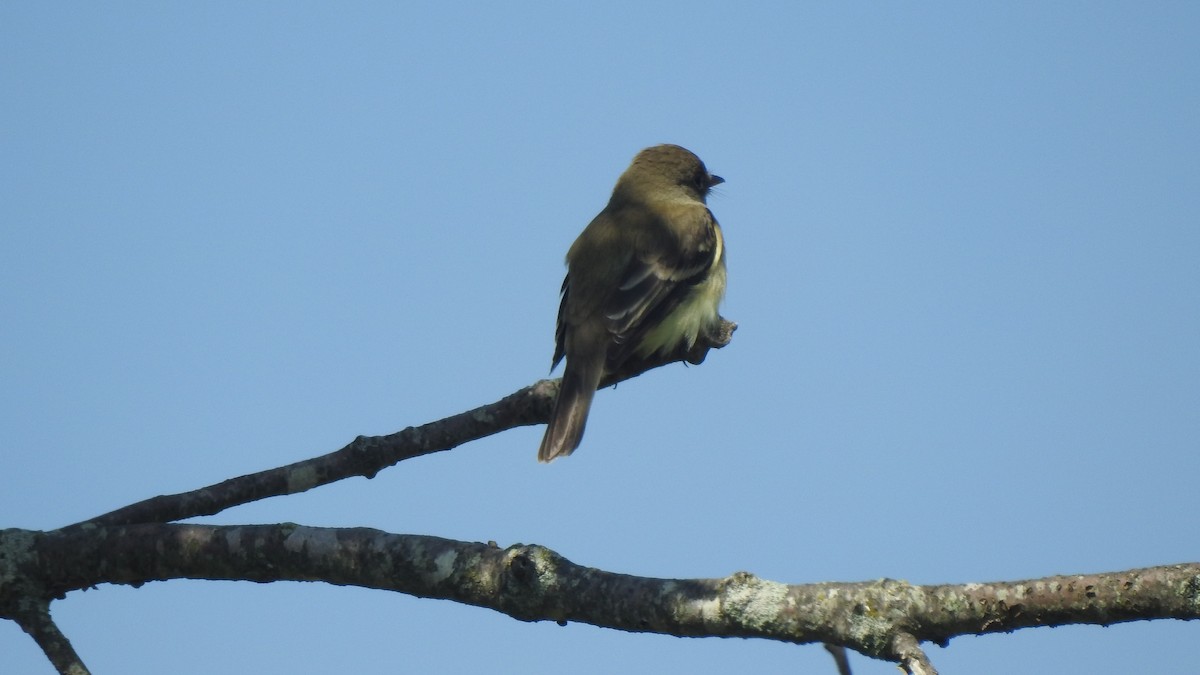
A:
(368, 455)
(885, 619)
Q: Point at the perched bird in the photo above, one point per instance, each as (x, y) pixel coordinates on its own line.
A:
(645, 277)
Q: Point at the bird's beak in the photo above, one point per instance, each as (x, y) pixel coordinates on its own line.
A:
(714, 179)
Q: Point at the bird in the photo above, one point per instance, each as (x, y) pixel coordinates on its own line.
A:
(646, 277)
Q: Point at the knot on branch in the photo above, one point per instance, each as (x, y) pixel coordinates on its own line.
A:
(752, 601)
(881, 616)
(530, 581)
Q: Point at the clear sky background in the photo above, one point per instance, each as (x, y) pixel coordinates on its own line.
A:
(964, 253)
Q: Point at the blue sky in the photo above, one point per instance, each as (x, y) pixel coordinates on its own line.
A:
(963, 245)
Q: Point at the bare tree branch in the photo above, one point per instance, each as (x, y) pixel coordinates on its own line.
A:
(368, 455)
(364, 456)
(54, 644)
(884, 619)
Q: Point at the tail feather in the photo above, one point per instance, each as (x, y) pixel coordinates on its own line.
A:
(565, 430)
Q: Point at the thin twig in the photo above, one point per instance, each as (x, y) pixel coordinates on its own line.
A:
(37, 622)
(368, 455)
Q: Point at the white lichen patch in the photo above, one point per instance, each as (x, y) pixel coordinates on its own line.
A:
(443, 567)
(757, 602)
(870, 629)
(192, 539)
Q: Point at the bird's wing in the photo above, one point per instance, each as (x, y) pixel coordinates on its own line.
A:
(651, 287)
(560, 330)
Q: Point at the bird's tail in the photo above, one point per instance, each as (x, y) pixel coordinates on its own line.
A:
(565, 430)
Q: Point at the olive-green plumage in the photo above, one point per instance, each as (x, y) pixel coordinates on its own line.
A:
(646, 276)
